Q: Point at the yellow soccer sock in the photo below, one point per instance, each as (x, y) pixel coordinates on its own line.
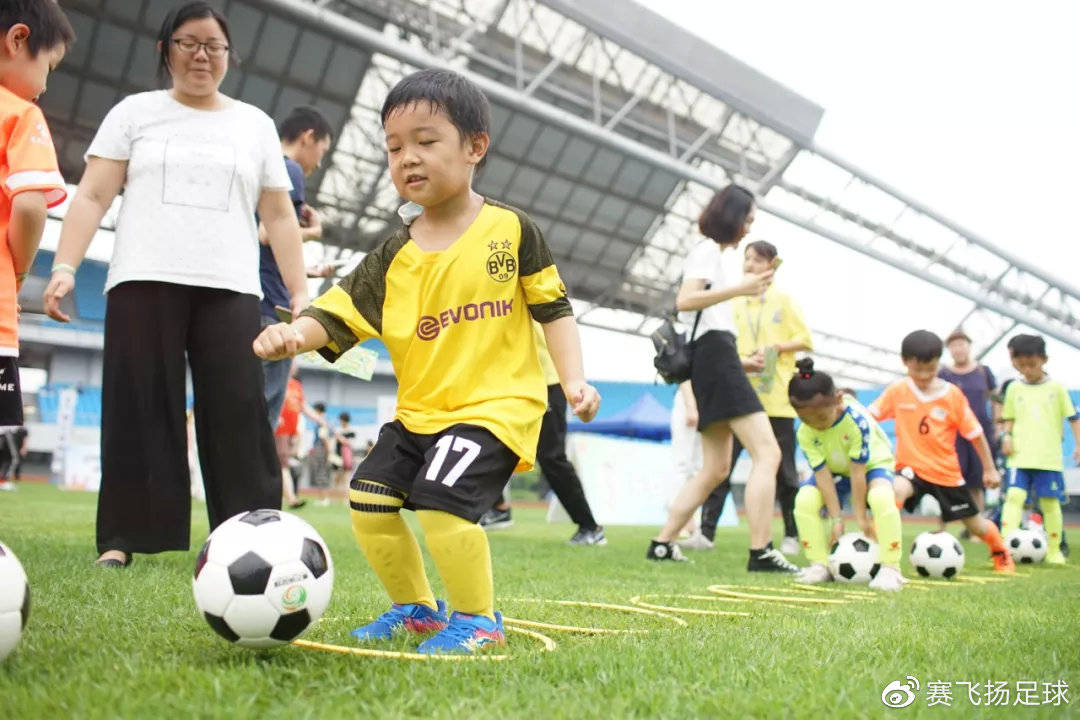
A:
(461, 553)
(808, 504)
(1052, 522)
(387, 542)
(882, 502)
(1012, 510)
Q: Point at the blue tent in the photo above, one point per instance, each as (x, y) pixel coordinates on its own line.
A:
(646, 418)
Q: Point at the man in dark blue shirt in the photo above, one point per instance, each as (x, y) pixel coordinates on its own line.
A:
(305, 138)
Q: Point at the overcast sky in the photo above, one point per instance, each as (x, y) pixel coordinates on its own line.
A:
(970, 107)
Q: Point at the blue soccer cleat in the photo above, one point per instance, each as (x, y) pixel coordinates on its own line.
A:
(466, 634)
(414, 617)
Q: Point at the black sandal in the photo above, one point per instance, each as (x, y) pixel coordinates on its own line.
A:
(113, 562)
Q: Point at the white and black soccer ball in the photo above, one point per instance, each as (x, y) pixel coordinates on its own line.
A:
(937, 554)
(1026, 546)
(14, 601)
(854, 558)
(262, 578)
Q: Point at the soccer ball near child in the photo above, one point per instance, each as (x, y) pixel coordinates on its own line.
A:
(14, 601)
(1026, 546)
(263, 578)
(937, 554)
(854, 559)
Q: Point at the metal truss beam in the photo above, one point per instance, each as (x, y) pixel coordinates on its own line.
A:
(1007, 297)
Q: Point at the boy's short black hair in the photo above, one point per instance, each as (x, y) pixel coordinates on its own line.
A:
(1027, 346)
(460, 98)
(921, 345)
(48, 24)
(301, 119)
(320, 407)
(344, 417)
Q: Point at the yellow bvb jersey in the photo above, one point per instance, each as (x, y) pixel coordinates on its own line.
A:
(458, 325)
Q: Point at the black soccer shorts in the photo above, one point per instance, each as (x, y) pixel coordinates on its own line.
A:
(461, 470)
(956, 502)
(11, 403)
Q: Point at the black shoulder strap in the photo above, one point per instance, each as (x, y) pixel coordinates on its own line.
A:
(697, 319)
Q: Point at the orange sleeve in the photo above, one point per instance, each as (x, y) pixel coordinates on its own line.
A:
(964, 417)
(884, 407)
(32, 161)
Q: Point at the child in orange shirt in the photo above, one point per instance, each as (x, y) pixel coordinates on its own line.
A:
(34, 35)
(928, 413)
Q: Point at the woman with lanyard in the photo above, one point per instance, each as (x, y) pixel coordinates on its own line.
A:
(727, 405)
(183, 285)
(769, 331)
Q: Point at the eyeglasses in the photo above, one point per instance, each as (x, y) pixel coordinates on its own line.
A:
(190, 47)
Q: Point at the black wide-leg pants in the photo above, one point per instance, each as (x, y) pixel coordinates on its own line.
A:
(144, 505)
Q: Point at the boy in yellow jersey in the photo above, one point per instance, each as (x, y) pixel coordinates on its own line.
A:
(34, 35)
(1035, 408)
(850, 454)
(452, 295)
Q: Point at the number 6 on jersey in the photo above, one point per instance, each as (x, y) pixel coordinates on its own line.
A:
(468, 449)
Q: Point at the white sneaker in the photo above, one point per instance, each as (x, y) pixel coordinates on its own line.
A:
(697, 541)
(888, 578)
(814, 574)
(790, 546)
(7, 485)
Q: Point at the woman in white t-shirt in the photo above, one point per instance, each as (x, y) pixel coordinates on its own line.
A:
(726, 402)
(194, 166)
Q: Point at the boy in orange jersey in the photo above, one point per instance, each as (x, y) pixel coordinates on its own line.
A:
(34, 35)
(928, 413)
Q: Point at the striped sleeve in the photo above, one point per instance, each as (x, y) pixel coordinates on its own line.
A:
(859, 442)
(31, 159)
(351, 311)
(545, 292)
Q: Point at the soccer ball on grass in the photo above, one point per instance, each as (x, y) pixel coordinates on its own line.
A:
(262, 578)
(14, 601)
(937, 554)
(854, 558)
(1026, 546)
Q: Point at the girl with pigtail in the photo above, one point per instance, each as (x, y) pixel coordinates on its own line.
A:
(850, 455)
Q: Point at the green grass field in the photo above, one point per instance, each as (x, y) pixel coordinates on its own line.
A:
(130, 643)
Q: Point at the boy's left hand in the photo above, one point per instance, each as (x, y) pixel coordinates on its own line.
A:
(991, 477)
(584, 400)
(1076, 455)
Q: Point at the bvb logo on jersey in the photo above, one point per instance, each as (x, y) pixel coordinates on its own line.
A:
(501, 266)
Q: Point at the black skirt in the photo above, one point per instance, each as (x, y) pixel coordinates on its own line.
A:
(721, 387)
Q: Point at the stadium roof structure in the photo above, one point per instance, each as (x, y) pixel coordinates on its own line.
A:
(612, 129)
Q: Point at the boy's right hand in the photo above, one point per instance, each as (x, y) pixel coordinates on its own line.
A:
(837, 531)
(991, 477)
(277, 342)
(60, 284)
